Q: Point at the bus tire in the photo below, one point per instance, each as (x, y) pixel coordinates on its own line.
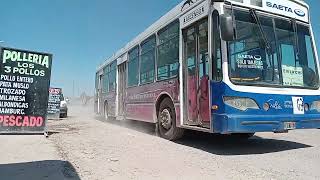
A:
(167, 121)
(105, 112)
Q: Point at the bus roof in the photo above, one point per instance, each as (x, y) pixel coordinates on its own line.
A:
(172, 15)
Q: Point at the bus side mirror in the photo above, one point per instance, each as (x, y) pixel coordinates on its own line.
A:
(226, 24)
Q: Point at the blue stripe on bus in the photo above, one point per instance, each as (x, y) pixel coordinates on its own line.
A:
(230, 120)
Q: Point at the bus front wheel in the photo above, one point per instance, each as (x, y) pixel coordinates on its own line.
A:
(167, 121)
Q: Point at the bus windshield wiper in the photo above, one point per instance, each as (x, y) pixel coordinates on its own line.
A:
(262, 32)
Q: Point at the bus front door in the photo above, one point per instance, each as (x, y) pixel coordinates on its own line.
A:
(196, 76)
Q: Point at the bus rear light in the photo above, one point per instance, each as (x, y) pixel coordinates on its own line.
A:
(240, 103)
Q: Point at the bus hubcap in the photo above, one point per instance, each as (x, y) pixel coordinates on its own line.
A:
(165, 119)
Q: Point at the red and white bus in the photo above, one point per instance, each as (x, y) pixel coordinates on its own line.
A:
(229, 67)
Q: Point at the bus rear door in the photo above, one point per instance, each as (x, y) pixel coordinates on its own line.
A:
(122, 83)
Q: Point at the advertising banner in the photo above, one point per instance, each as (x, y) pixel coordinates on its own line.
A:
(54, 103)
(24, 88)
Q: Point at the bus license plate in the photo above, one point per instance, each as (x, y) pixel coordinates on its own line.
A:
(289, 125)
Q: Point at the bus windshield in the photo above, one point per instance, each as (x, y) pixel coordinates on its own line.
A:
(269, 51)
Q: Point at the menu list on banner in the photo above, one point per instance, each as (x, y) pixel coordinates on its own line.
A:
(24, 86)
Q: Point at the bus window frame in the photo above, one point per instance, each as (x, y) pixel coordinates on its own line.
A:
(105, 74)
(132, 49)
(157, 49)
(110, 70)
(155, 58)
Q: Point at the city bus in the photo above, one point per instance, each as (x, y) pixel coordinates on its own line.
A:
(233, 67)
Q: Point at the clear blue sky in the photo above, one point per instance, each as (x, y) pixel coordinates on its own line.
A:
(82, 33)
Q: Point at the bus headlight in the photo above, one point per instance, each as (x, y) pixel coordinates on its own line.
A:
(315, 106)
(240, 103)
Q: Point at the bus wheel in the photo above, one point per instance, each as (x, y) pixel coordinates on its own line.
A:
(167, 121)
(105, 112)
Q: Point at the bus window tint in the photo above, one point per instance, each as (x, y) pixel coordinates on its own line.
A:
(254, 60)
(191, 51)
(203, 50)
(112, 76)
(168, 52)
(310, 54)
(306, 57)
(285, 57)
(133, 67)
(147, 60)
(105, 82)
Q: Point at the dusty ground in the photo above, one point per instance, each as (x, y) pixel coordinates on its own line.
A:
(32, 157)
(86, 147)
(130, 150)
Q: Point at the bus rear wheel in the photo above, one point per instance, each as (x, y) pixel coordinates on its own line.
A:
(167, 121)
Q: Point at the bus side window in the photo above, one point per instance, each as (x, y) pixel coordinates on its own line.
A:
(112, 76)
(133, 67)
(168, 51)
(216, 55)
(105, 81)
(147, 60)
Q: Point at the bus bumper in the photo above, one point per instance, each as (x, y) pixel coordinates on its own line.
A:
(226, 124)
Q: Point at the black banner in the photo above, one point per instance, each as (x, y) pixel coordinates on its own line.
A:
(54, 103)
(24, 88)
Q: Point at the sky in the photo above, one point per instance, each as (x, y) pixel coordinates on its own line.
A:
(81, 34)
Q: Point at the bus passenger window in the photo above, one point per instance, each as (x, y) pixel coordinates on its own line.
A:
(168, 52)
(147, 60)
(105, 80)
(133, 67)
(203, 50)
(112, 76)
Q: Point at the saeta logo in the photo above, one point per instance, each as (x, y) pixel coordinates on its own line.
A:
(299, 12)
(280, 7)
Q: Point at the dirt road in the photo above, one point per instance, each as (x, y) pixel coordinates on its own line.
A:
(86, 147)
(32, 157)
(130, 150)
